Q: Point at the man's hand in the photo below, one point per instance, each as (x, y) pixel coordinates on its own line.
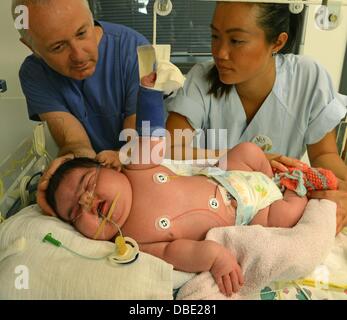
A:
(44, 181)
(340, 198)
(281, 163)
(227, 272)
(109, 158)
(79, 152)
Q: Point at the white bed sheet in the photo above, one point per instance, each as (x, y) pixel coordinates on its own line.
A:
(32, 269)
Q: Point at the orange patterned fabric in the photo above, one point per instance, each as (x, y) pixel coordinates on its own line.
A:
(309, 178)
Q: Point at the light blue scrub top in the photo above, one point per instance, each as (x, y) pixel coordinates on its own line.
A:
(300, 110)
(100, 102)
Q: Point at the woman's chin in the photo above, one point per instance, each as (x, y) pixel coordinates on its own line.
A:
(227, 79)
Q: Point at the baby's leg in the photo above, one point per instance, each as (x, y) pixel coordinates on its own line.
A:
(246, 156)
(283, 213)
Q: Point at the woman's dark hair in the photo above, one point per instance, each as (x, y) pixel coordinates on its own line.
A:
(273, 19)
(61, 172)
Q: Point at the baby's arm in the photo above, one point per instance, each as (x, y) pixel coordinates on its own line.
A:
(147, 150)
(197, 256)
(146, 146)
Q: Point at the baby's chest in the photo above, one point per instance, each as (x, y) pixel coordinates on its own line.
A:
(167, 207)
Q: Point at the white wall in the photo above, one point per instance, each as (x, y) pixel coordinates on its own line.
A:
(327, 47)
(14, 123)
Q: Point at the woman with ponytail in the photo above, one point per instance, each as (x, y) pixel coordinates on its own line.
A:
(256, 90)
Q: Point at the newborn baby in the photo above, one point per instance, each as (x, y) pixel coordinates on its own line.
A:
(167, 214)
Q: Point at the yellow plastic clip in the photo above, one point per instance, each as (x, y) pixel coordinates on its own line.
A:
(129, 255)
(121, 245)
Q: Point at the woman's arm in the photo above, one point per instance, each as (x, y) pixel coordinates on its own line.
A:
(325, 154)
(340, 198)
(180, 148)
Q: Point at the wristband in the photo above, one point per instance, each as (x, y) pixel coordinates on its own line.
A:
(150, 116)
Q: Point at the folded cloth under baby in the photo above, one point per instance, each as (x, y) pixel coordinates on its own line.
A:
(270, 254)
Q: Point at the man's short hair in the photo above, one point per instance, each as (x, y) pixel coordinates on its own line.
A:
(23, 32)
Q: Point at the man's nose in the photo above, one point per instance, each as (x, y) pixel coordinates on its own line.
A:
(77, 54)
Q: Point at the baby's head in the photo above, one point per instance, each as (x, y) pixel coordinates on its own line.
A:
(81, 192)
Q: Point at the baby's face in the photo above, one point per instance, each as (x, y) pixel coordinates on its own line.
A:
(85, 195)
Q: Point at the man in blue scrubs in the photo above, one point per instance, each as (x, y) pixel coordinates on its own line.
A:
(82, 78)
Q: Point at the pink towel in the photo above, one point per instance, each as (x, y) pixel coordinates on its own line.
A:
(270, 254)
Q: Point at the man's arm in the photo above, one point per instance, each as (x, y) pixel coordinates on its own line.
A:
(130, 122)
(69, 134)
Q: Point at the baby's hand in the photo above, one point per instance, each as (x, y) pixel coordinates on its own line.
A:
(149, 80)
(227, 272)
(109, 158)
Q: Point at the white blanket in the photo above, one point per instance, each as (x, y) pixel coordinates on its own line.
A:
(271, 254)
(32, 269)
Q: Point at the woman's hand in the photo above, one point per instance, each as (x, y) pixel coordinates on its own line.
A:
(342, 185)
(281, 163)
(340, 198)
(44, 181)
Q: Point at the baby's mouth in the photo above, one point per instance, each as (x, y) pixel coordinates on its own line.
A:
(106, 210)
(102, 208)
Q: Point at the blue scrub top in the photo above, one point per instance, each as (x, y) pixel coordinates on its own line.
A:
(100, 102)
(301, 109)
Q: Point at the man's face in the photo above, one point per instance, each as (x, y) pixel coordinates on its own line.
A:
(64, 36)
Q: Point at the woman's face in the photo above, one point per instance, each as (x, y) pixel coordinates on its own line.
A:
(85, 196)
(239, 46)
